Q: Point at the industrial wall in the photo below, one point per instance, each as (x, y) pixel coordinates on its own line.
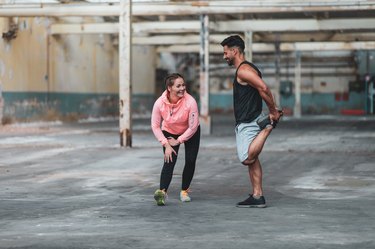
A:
(74, 76)
(66, 76)
(319, 94)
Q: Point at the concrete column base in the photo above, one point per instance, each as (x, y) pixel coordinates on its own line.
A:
(205, 122)
(1, 110)
(297, 111)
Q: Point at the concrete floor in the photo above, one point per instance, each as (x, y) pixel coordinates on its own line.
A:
(72, 186)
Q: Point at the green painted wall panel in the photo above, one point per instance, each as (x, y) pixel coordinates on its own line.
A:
(325, 103)
(36, 105)
(41, 106)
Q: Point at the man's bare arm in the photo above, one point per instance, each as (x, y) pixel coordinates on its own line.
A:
(247, 75)
(250, 77)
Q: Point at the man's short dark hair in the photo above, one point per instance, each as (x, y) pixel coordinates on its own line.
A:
(234, 41)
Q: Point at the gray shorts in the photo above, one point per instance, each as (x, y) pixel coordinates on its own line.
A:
(245, 134)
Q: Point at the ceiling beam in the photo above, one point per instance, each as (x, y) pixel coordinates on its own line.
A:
(138, 27)
(294, 25)
(284, 47)
(215, 39)
(291, 25)
(175, 39)
(315, 36)
(190, 43)
(184, 8)
(253, 3)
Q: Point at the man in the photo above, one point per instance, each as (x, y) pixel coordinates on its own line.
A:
(248, 92)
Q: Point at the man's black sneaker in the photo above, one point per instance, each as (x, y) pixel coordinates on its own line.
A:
(252, 202)
(265, 121)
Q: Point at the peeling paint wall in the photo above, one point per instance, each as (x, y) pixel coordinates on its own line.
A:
(24, 58)
(66, 75)
(83, 63)
(47, 77)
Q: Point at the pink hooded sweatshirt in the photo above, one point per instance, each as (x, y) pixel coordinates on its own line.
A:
(181, 118)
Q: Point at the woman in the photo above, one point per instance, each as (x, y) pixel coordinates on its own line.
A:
(175, 120)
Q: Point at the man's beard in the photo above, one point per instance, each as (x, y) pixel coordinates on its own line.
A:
(230, 62)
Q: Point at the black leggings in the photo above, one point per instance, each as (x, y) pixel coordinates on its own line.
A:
(191, 153)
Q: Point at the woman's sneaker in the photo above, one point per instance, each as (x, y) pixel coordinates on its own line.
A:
(160, 196)
(257, 202)
(184, 196)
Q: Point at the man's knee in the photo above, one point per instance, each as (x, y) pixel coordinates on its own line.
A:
(249, 161)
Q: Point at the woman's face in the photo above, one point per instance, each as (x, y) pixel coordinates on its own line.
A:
(178, 89)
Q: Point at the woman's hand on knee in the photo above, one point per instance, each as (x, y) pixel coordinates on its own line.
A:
(168, 153)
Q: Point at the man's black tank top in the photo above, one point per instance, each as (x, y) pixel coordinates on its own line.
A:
(247, 101)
